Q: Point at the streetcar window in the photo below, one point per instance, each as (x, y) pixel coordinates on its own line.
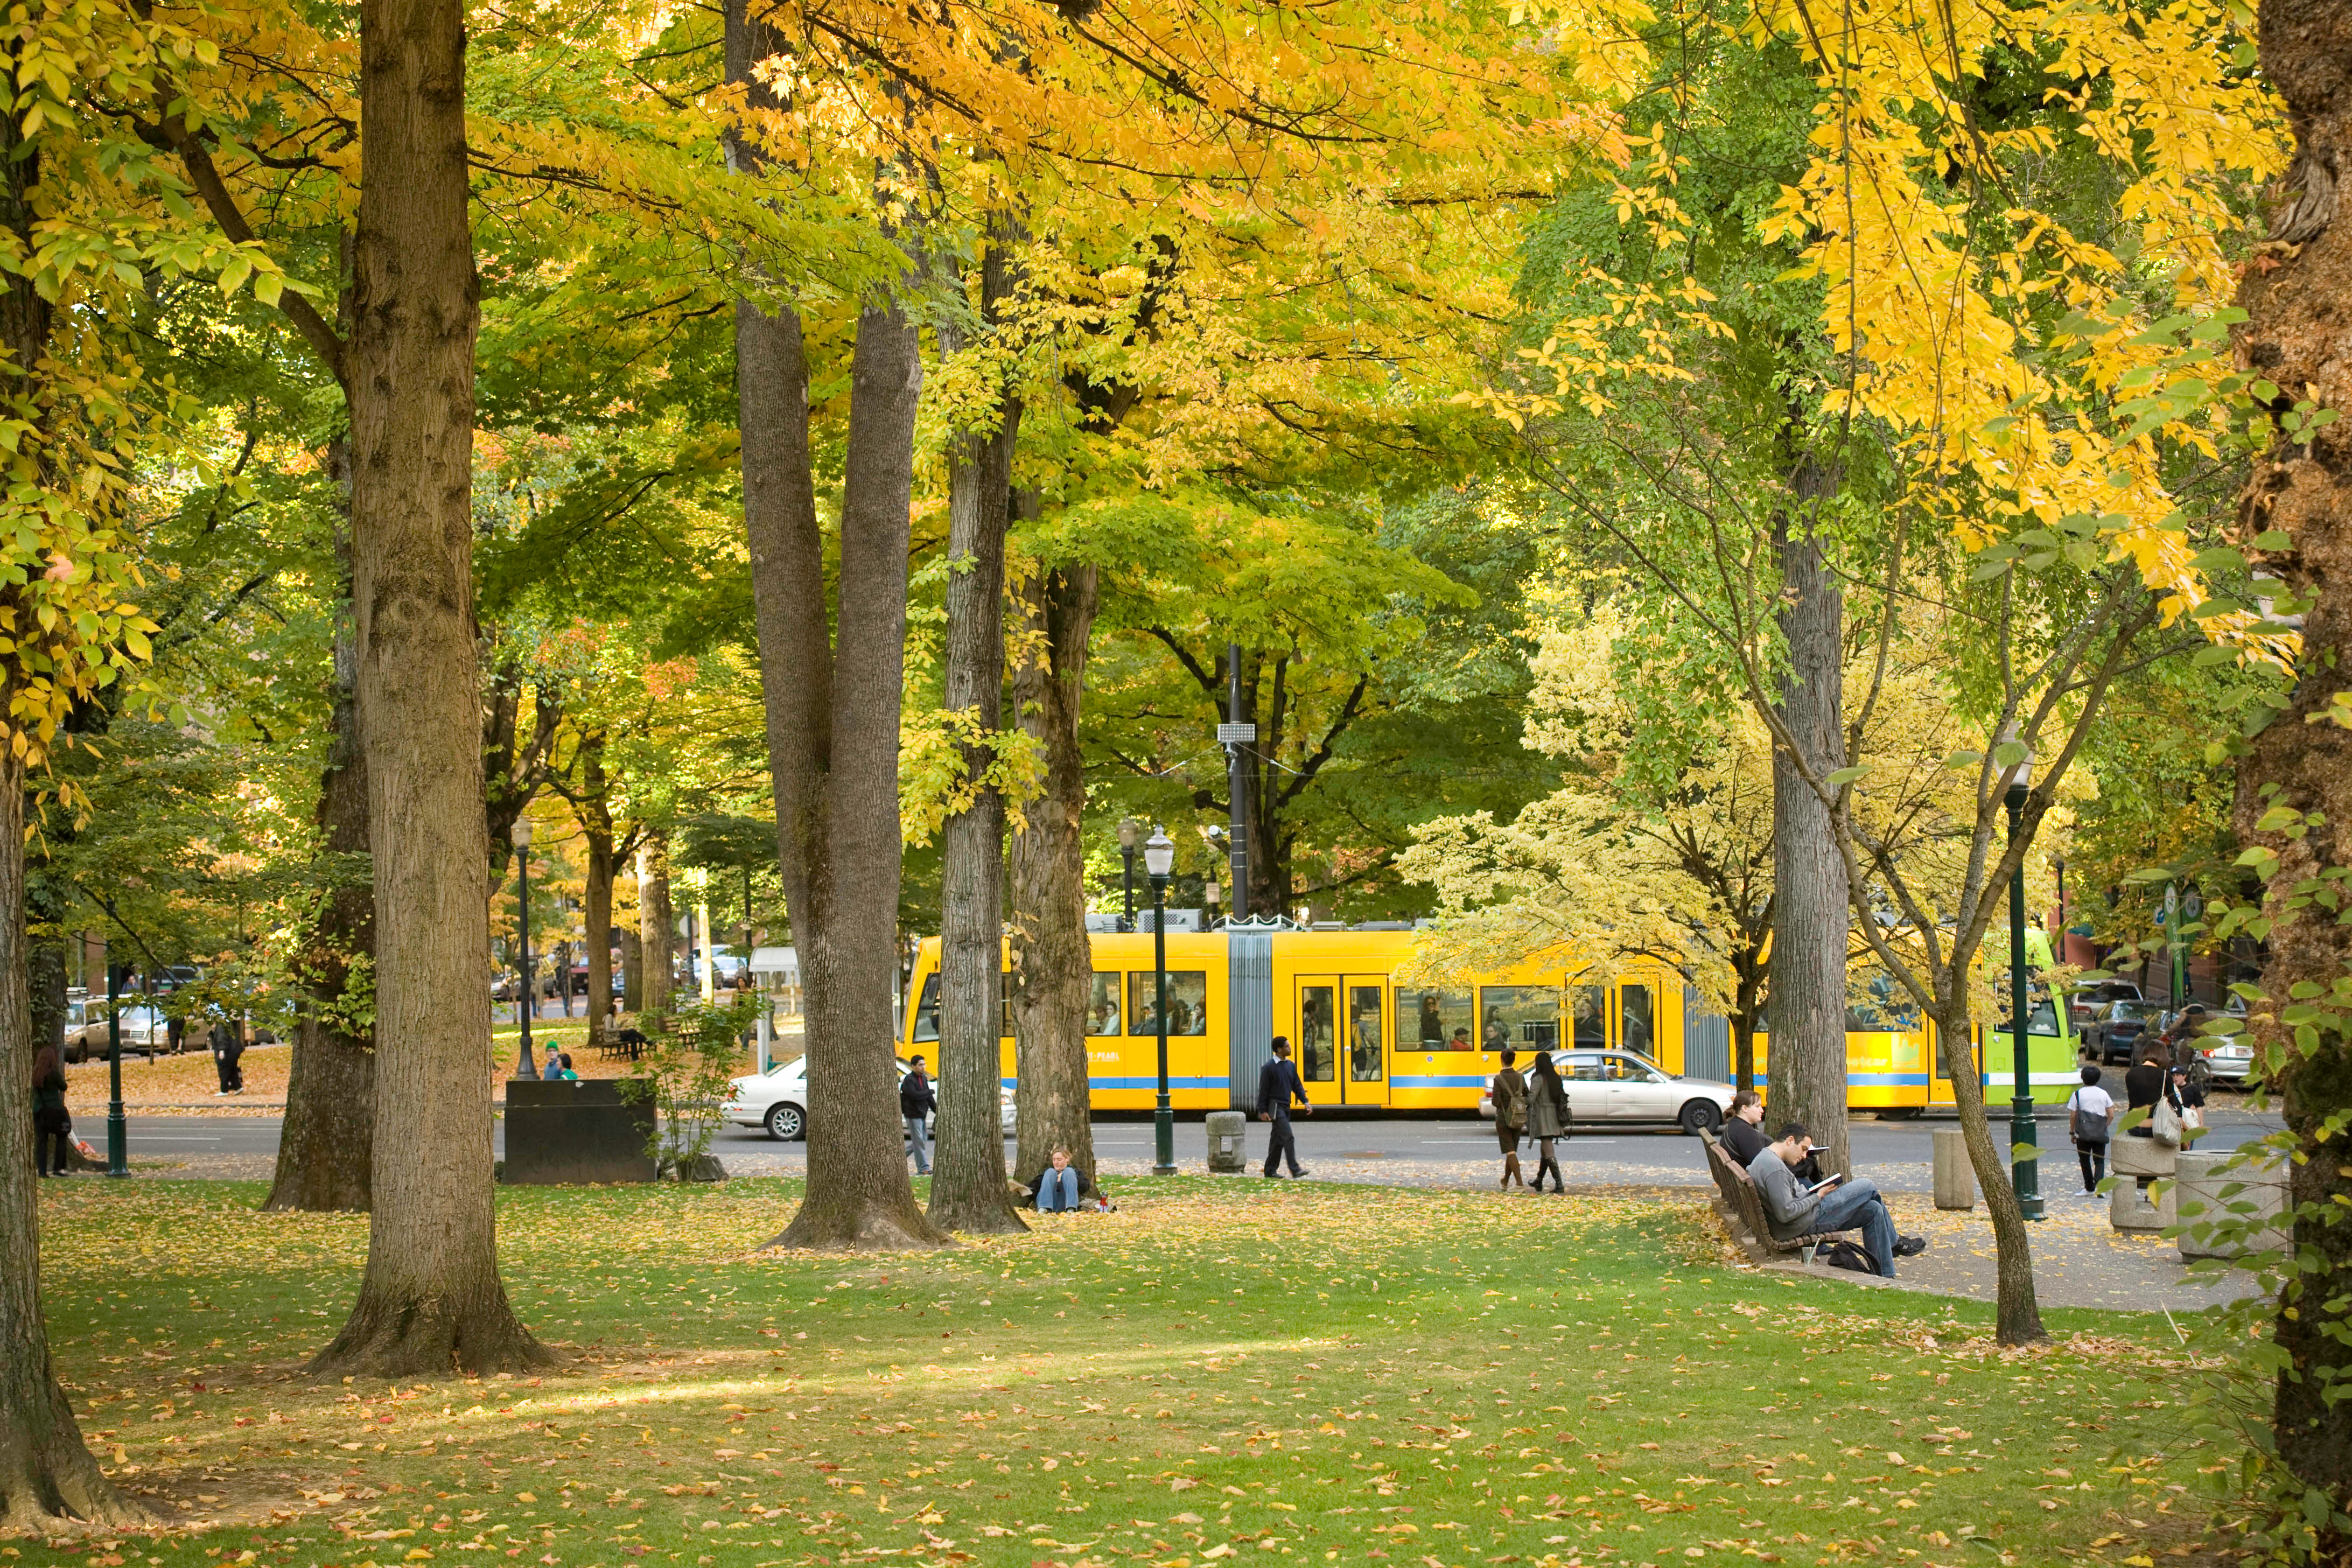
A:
(1633, 1029)
(1437, 1014)
(1319, 1034)
(1102, 1003)
(1591, 1016)
(927, 1011)
(1519, 1018)
(1187, 1002)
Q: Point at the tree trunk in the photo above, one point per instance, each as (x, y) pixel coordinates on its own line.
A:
(656, 929)
(2017, 1316)
(967, 1179)
(596, 914)
(2295, 296)
(833, 714)
(326, 1145)
(46, 1473)
(431, 1300)
(1807, 1077)
(632, 971)
(1052, 960)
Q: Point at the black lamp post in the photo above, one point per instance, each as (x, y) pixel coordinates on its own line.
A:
(1159, 858)
(2025, 1158)
(524, 1067)
(1130, 830)
(118, 1126)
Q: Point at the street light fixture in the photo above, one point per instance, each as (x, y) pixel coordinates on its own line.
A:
(2025, 1158)
(1129, 831)
(1158, 859)
(524, 1008)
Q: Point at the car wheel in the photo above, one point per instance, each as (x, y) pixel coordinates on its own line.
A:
(785, 1122)
(1701, 1116)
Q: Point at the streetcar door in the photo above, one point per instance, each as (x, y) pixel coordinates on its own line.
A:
(1343, 1038)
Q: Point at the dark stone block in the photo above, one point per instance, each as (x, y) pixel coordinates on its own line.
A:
(573, 1131)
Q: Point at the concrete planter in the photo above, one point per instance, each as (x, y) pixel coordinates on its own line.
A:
(1226, 1131)
(2206, 1197)
(1956, 1179)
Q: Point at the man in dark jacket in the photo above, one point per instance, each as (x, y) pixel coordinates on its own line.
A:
(1278, 1085)
(915, 1103)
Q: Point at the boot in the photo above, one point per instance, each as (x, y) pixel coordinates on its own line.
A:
(1553, 1166)
(1511, 1173)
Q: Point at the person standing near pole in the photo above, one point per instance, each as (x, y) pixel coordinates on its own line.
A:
(1278, 1086)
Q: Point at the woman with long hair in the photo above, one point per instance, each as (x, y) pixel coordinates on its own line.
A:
(51, 1125)
(1548, 1116)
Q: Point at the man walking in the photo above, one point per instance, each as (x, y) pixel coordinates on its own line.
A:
(915, 1103)
(1278, 1085)
(1510, 1117)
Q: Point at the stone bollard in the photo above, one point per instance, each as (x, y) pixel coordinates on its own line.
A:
(2137, 1164)
(2256, 1190)
(1956, 1180)
(1226, 1131)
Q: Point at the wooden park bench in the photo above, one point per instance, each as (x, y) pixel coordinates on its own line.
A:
(1745, 1204)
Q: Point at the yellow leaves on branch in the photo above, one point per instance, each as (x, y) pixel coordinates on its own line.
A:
(1994, 340)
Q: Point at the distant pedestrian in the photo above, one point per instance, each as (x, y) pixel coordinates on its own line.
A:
(2145, 1085)
(916, 1101)
(1548, 1116)
(1510, 1117)
(1278, 1086)
(220, 1039)
(553, 1069)
(52, 1127)
(2089, 1111)
(563, 1066)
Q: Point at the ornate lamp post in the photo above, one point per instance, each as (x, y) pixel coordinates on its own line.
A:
(1129, 832)
(2025, 1159)
(1159, 858)
(524, 1000)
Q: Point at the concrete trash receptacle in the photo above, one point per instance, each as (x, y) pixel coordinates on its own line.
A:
(2130, 1156)
(2205, 1197)
(1956, 1180)
(1226, 1131)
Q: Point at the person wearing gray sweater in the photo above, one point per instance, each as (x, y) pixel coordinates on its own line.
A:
(1792, 1211)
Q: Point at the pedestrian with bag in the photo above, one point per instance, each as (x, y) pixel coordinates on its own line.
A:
(917, 1101)
(2089, 1111)
(1548, 1116)
(2144, 1086)
(1278, 1086)
(1510, 1117)
(52, 1127)
(218, 1040)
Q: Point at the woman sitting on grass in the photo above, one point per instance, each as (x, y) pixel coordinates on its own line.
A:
(1060, 1187)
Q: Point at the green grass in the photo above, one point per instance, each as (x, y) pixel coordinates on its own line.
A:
(1225, 1370)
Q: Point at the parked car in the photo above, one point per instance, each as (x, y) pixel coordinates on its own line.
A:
(2088, 1002)
(779, 1100)
(2115, 1031)
(1618, 1088)
(144, 1030)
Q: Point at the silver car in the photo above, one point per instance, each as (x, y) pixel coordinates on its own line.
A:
(1619, 1087)
(778, 1100)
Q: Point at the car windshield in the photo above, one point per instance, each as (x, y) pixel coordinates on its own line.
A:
(2138, 1012)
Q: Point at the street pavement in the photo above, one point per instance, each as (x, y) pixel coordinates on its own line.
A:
(1453, 1151)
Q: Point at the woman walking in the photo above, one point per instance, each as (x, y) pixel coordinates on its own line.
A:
(1548, 1116)
(1510, 1119)
(51, 1125)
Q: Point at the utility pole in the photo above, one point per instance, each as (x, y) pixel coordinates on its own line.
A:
(1237, 736)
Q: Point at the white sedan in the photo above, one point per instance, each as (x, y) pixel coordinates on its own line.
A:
(1620, 1087)
(778, 1100)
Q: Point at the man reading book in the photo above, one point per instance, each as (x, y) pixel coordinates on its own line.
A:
(1837, 1203)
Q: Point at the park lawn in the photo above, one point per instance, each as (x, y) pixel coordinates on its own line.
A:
(1226, 1369)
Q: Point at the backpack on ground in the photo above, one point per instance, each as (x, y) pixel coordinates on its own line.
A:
(1836, 1254)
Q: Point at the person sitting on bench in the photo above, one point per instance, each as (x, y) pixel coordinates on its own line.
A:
(1792, 1211)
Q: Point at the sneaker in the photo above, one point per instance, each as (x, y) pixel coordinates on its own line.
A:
(1300, 1175)
(1910, 1246)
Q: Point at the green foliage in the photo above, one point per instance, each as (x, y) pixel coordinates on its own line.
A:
(684, 1075)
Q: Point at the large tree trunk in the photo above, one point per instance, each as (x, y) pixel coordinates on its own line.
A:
(2017, 1316)
(632, 970)
(596, 914)
(1807, 1072)
(431, 1300)
(46, 1473)
(327, 1142)
(1052, 960)
(833, 712)
(2295, 297)
(968, 1182)
(657, 927)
